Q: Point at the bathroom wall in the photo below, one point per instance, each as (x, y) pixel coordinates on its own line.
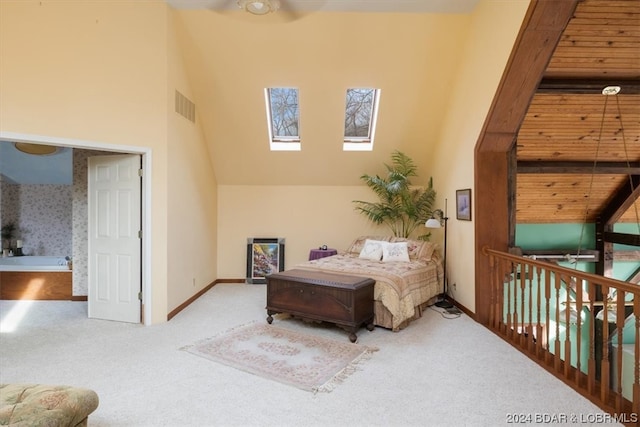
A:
(42, 214)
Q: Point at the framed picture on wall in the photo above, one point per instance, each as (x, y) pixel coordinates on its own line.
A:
(264, 256)
(463, 204)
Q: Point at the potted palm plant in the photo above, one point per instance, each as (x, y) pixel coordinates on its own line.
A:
(402, 206)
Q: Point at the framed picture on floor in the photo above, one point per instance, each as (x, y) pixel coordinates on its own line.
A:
(264, 256)
(463, 204)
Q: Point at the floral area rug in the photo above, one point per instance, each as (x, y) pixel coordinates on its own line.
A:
(302, 360)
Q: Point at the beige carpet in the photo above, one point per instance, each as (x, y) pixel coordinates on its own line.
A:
(441, 370)
(307, 361)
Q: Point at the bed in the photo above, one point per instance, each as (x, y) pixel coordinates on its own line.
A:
(408, 275)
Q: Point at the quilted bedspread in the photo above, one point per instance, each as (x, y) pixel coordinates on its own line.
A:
(400, 286)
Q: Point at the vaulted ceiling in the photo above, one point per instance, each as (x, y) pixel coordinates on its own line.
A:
(578, 151)
(577, 154)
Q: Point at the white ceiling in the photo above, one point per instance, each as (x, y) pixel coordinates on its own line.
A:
(404, 6)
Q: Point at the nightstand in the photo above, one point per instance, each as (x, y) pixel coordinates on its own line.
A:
(321, 253)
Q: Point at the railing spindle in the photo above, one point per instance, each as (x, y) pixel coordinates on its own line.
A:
(557, 319)
(523, 279)
(547, 297)
(539, 330)
(592, 344)
(510, 314)
(567, 334)
(493, 291)
(636, 357)
(579, 291)
(620, 310)
(529, 316)
(509, 271)
(500, 313)
(605, 368)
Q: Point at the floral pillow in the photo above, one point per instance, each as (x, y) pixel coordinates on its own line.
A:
(395, 252)
(356, 246)
(418, 249)
(372, 250)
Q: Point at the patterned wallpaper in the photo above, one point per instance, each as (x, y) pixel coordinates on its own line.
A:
(42, 215)
(53, 219)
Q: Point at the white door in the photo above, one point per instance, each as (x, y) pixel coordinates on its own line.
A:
(114, 238)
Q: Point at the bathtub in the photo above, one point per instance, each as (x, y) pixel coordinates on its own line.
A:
(33, 263)
(35, 278)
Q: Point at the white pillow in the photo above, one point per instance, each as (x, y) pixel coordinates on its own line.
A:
(372, 250)
(395, 252)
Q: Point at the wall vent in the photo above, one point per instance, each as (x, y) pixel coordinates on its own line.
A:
(185, 107)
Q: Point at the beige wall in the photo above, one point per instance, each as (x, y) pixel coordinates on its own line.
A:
(91, 71)
(306, 216)
(105, 72)
(102, 74)
(493, 30)
(191, 190)
(233, 57)
(84, 70)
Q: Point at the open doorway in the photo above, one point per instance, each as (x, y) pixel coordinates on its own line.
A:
(81, 151)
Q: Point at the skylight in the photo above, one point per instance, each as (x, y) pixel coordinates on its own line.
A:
(360, 117)
(283, 117)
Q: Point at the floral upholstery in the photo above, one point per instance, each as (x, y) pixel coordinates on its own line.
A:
(356, 246)
(418, 249)
(45, 405)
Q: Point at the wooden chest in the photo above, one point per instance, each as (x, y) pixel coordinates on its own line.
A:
(346, 301)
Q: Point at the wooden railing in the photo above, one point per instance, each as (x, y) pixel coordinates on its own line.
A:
(583, 328)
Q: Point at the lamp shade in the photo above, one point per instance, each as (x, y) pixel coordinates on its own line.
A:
(432, 223)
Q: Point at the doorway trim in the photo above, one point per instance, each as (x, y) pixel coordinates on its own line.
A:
(146, 154)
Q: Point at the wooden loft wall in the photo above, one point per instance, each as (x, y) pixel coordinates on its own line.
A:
(494, 160)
